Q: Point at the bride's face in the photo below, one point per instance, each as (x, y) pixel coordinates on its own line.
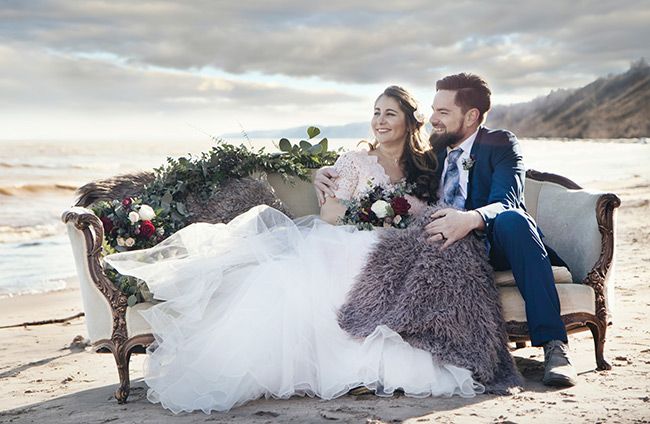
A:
(388, 122)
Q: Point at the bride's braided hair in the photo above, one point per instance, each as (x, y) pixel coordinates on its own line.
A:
(418, 160)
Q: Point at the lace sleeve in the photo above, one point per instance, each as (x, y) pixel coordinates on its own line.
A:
(347, 167)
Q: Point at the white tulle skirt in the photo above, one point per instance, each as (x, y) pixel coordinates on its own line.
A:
(250, 310)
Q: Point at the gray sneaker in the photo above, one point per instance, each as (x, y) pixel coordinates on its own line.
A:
(558, 370)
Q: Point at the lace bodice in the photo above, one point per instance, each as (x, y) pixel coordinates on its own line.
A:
(356, 168)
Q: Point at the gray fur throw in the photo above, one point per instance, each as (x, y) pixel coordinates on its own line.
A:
(444, 302)
(235, 197)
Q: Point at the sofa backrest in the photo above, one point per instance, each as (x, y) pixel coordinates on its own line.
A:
(567, 218)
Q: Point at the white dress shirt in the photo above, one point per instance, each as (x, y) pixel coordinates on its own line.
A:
(463, 174)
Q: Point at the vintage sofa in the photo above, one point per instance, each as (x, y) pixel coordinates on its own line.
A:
(578, 223)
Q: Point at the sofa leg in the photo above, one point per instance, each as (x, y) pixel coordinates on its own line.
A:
(122, 359)
(598, 333)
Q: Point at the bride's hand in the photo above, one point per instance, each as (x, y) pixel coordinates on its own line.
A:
(324, 183)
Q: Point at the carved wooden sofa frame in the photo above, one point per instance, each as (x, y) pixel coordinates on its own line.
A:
(119, 329)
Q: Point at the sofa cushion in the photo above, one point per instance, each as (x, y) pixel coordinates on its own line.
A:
(135, 323)
(561, 275)
(573, 298)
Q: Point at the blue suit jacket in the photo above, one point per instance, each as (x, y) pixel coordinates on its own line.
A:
(496, 180)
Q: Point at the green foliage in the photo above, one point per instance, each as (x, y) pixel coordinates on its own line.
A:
(311, 156)
(201, 176)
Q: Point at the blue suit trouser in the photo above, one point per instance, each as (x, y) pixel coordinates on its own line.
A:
(516, 244)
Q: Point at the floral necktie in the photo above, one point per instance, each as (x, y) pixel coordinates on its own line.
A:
(451, 188)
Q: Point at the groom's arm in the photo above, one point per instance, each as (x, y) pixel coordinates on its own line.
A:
(506, 192)
(508, 176)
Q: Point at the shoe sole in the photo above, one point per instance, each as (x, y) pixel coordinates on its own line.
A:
(559, 381)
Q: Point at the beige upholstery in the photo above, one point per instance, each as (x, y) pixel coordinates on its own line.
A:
(135, 323)
(561, 275)
(297, 195)
(573, 298)
(99, 318)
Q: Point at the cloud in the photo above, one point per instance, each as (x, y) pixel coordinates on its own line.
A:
(345, 41)
(282, 61)
(60, 92)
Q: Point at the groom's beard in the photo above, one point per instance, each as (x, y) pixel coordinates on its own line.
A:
(443, 140)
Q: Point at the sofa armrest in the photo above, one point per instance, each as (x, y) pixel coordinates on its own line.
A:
(104, 304)
(579, 225)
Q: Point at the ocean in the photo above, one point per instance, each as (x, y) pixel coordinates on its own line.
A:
(38, 179)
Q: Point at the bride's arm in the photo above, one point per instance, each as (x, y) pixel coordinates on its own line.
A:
(332, 210)
(347, 168)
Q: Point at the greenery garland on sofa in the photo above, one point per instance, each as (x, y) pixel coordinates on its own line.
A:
(156, 205)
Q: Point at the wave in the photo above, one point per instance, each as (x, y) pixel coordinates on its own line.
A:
(28, 189)
(45, 166)
(30, 234)
(44, 286)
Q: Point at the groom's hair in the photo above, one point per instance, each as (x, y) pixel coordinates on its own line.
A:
(471, 92)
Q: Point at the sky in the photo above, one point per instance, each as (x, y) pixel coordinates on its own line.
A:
(174, 70)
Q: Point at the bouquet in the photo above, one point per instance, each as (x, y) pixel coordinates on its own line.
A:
(130, 224)
(379, 206)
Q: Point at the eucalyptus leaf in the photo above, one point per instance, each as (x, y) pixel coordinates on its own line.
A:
(314, 150)
(305, 145)
(132, 300)
(285, 145)
(180, 207)
(313, 131)
(166, 199)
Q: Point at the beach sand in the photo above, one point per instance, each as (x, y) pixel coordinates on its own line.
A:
(43, 381)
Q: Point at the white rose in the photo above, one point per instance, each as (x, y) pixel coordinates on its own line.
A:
(380, 208)
(134, 217)
(160, 231)
(120, 241)
(129, 242)
(146, 213)
(397, 219)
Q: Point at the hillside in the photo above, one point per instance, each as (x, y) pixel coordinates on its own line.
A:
(616, 106)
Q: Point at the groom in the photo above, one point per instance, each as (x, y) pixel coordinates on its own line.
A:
(481, 171)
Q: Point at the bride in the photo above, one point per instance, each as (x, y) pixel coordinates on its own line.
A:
(250, 307)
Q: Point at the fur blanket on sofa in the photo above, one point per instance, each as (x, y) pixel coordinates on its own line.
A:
(445, 302)
(235, 197)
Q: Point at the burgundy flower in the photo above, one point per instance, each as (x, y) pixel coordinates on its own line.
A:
(147, 229)
(108, 224)
(400, 205)
(364, 216)
(126, 202)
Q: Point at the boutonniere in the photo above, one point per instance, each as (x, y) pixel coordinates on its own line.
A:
(468, 163)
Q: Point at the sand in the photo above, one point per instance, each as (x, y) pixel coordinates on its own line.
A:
(42, 380)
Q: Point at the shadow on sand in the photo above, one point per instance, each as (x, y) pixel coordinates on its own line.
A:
(99, 406)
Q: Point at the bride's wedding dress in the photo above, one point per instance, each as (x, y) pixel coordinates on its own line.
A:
(250, 310)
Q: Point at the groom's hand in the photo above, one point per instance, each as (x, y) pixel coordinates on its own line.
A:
(450, 225)
(324, 183)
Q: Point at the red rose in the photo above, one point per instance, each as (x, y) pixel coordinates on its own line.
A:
(400, 205)
(126, 202)
(147, 229)
(108, 224)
